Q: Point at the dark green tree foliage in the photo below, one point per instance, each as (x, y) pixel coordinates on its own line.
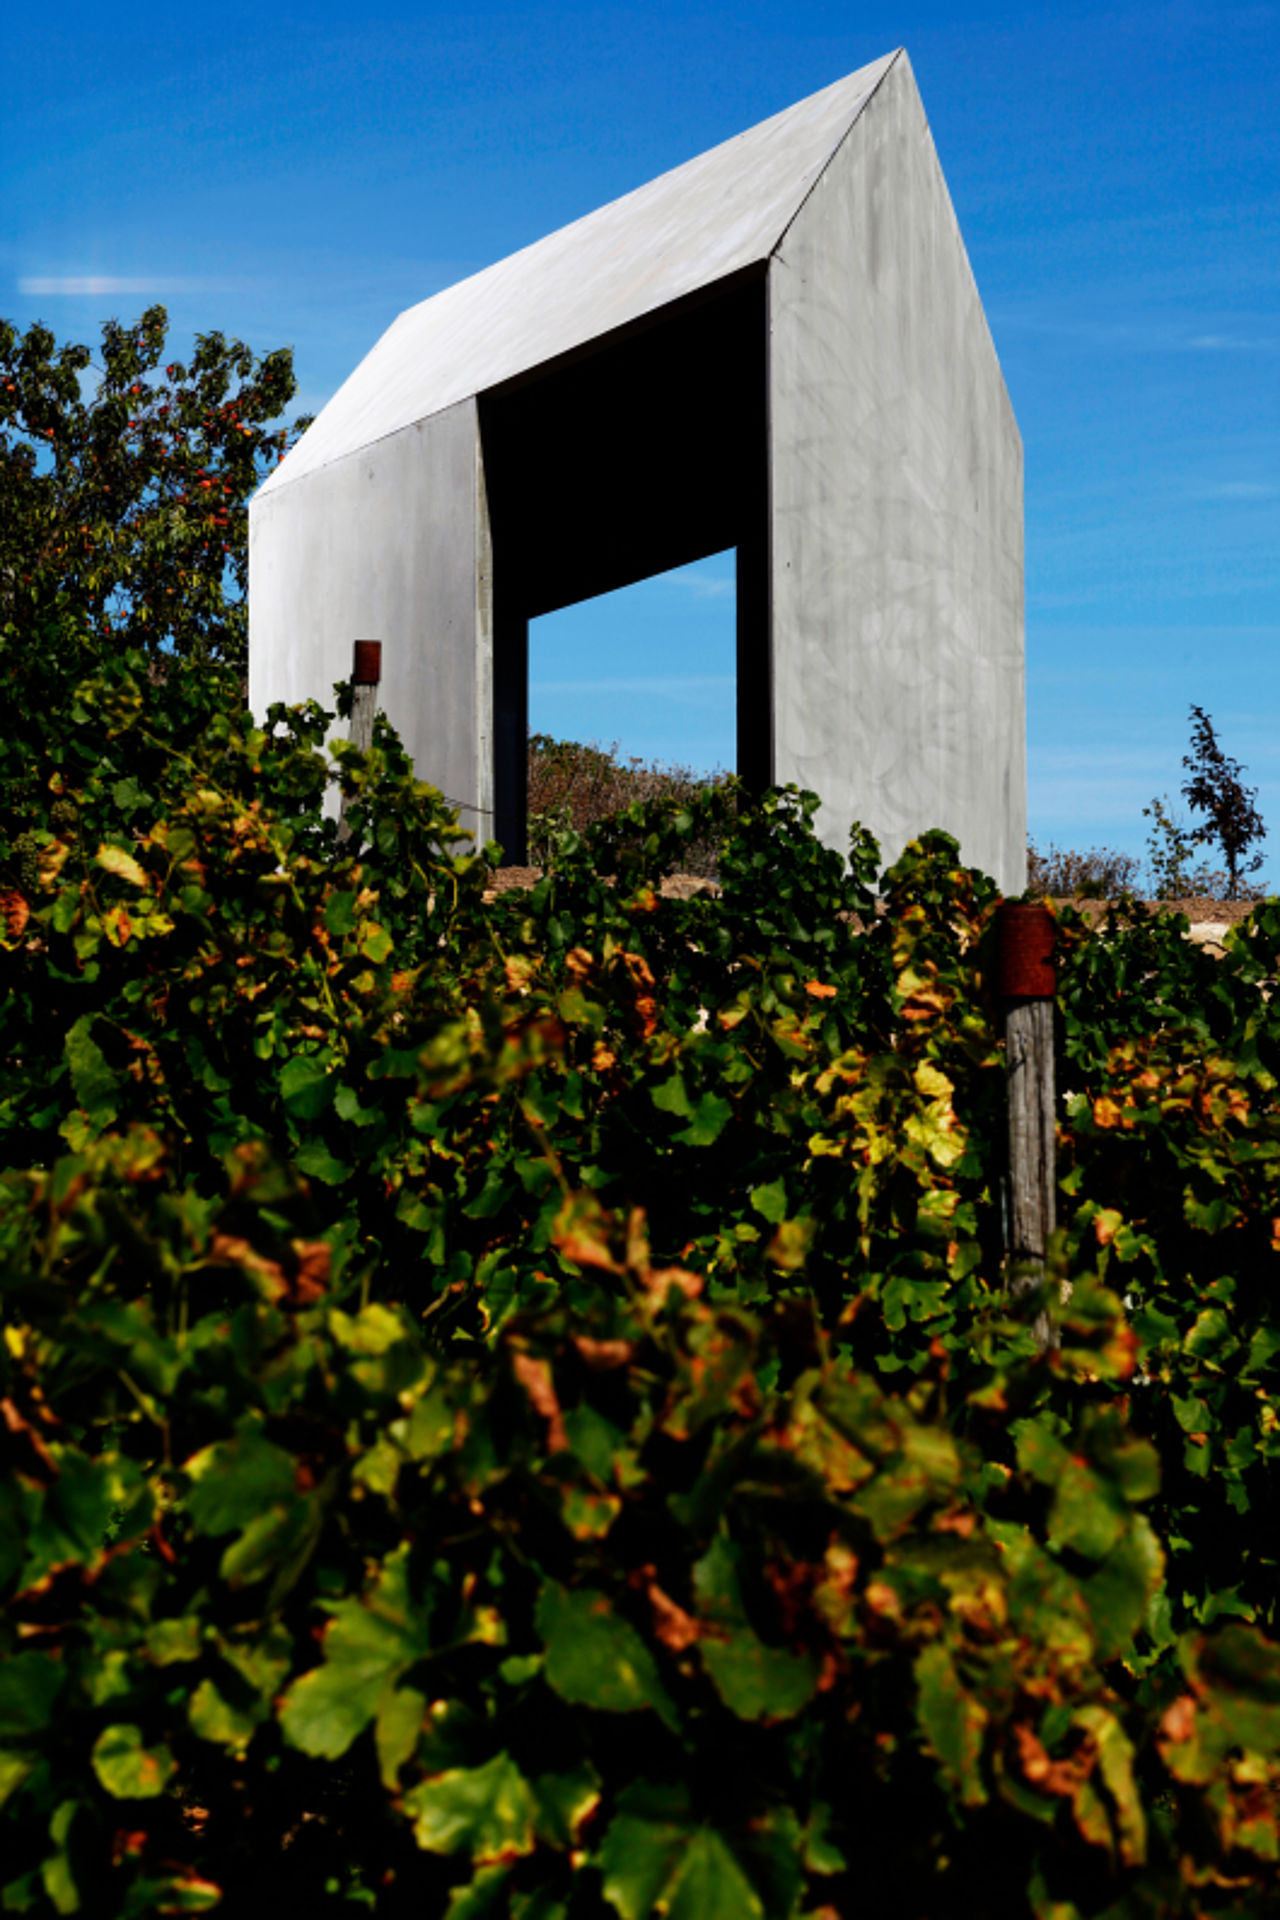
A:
(511, 1409)
(124, 484)
(1215, 788)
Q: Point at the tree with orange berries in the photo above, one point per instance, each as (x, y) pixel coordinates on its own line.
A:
(125, 481)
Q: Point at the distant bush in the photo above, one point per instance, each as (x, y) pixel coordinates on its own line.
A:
(1101, 872)
(572, 786)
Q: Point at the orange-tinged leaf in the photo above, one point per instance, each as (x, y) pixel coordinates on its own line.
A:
(581, 1232)
(315, 1261)
(1107, 1222)
(602, 1356)
(578, 964)
(14, 913)
(117, 926)
(229, 1250)
(671, 1624)
(1062, 1777)
(658, 1283)
(535, 1377)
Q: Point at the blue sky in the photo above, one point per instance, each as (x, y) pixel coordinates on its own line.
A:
(299, 176)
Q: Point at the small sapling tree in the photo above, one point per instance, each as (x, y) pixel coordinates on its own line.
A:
(1214, 788)
(1171, 846)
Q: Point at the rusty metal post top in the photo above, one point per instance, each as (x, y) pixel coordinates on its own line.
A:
(1025, 933)
(366, 666)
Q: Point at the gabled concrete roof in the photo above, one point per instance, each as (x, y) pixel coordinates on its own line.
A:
(726, 210)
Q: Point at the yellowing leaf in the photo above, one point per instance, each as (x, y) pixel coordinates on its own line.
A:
(485, 1811)
(128, 1769)
(374, 942)
(123, 865)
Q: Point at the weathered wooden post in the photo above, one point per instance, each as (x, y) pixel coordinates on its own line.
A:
(366, 672)
(1026, 984)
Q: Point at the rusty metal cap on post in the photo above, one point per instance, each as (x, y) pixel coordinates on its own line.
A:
(366, 667)
(1025, 934)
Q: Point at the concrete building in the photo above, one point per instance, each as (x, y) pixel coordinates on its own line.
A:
(778, 347)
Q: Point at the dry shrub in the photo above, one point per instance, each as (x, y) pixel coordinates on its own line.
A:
(572, 785)
(1100, 872)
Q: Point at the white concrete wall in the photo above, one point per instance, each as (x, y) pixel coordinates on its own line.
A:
(896, 476)
(392, 544)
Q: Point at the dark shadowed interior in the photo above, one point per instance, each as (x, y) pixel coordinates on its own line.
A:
(643, 453)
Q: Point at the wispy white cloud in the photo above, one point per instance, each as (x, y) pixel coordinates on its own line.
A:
(1230, 343)
(705, 586)
(1240, 490)
(1142, 330)
(89, 285)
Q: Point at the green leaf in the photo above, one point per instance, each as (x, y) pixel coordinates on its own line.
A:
(710, 1118)
(212, 1717)
(396, 1729)
(368, 1645)
(306, 1087)
(76, 1512)
(1210, 1335)
(129, 796)
(55, 1871)
(755, 1681)
(315, 1160)
(671, 1097)
(234, 1480)
(771, 1201)
(1040, 1452)
(952, 1721)
(485, 1811)
(487, 1897)
(669, 1866)
(1084, 1514)
(340, 912)
(597, 1659)
(172, 1641)
(565, 1801)
(1192, 1414)
(127, 1768)
(14, 1768)
(29, 1685)
(1115, 1758)
(96, 1086)
(347, 1105)
(924, 1468)
(1120, 1592)
(376, 1329)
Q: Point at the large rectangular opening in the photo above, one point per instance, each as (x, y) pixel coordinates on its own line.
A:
(649, 669)
(642, 457)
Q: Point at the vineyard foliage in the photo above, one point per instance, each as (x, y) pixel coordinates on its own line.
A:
(511, 1408)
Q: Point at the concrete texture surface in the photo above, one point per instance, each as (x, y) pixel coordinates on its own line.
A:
(390, 544)
(886, 572)
(896, 479)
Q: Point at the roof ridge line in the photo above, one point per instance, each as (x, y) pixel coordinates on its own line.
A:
(891, 60)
